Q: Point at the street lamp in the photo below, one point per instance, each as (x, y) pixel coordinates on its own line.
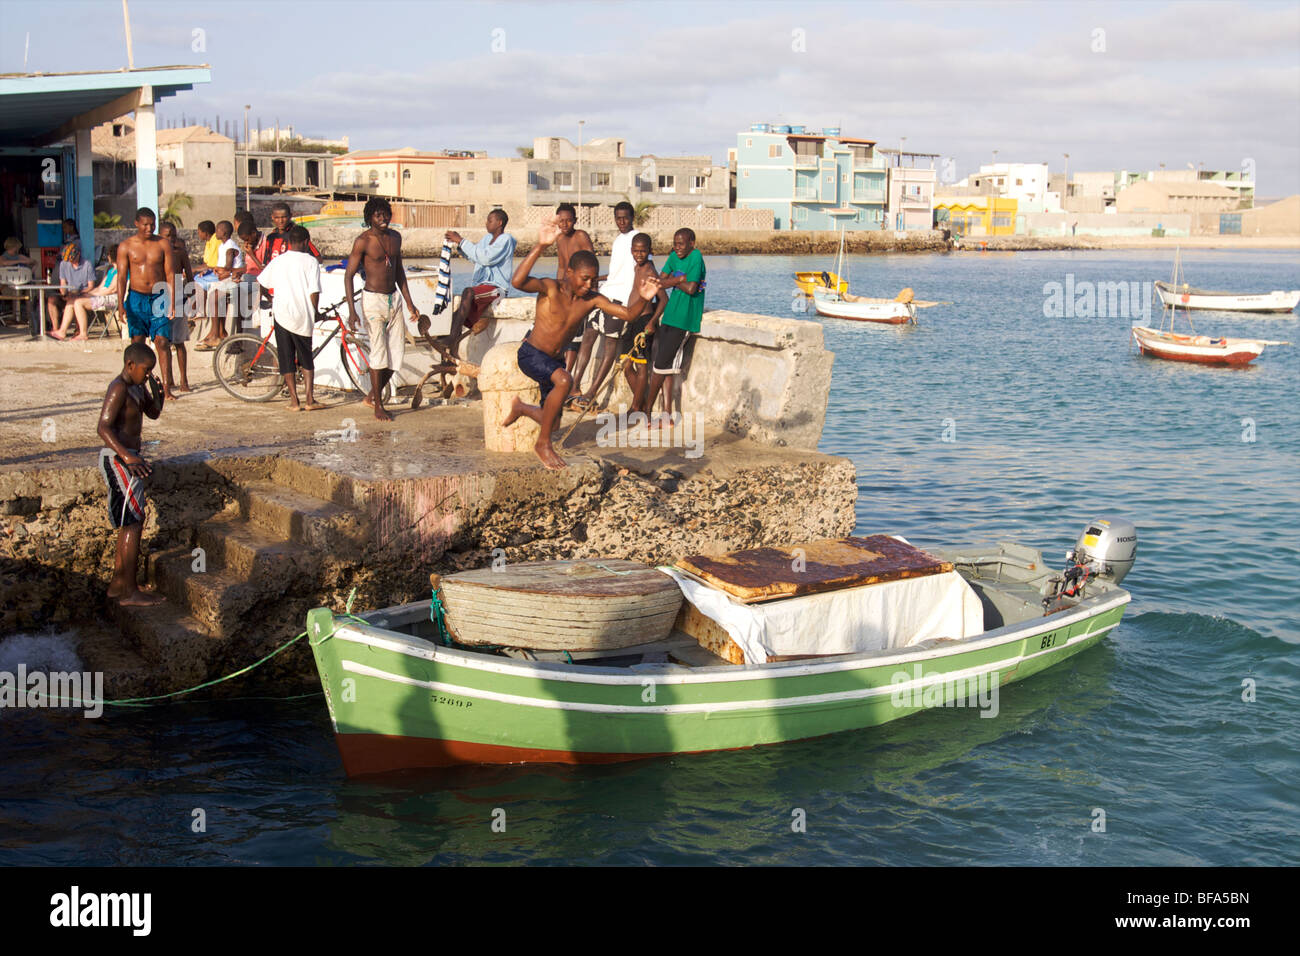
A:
(247, 201)
(580, 123)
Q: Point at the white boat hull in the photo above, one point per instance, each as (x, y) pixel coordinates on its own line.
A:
(887, 312)
(1201, 349)
(1185, 297)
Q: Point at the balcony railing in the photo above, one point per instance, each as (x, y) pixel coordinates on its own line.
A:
(802, 160)
(805, 192)
(868, 195)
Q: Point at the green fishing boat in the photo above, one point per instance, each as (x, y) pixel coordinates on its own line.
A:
(767, 646)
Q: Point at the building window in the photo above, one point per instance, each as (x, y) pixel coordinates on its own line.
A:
(277, 172)
(774, 151)
(668, 184)
(255, 167)
(471, 209)
(209, 165)
(117, 129)
(746, 176)
(469, 178)
(600, 180)
(697, 184)
(800, 214)
(564, 180)
(455, 179)
(1020, 182)
(313, 173)
(749, 143)
(496, 177)
(406, 175)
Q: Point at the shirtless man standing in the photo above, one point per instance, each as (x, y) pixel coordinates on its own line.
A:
(568, 242)
(145, 262)
(562, 307)
(379, 251)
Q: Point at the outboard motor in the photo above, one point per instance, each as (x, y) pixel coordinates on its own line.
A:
(1106, 549)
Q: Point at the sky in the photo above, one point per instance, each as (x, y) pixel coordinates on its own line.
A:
(1115, 85)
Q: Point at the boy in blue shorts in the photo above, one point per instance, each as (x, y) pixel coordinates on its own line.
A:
(145, 267)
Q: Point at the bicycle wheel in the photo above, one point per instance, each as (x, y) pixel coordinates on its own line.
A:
(247, 368)
(356, 362)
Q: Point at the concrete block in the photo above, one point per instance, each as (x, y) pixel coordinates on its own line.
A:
(501, 381)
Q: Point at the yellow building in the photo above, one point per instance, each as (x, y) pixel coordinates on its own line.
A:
(978, 215)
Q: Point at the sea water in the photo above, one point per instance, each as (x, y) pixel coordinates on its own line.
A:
(1176, 741)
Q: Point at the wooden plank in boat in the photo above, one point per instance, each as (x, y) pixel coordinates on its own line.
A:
(601, 578)
(767, 574)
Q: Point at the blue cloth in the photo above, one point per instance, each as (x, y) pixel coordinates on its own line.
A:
(146, 314)
(538, 366)
(493, 261)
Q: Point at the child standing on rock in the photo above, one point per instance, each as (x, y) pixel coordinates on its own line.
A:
(121, 419)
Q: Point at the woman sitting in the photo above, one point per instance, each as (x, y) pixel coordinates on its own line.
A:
(100, 297)
(76, 278)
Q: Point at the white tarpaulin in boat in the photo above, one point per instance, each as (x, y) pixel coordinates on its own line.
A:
(850, 621)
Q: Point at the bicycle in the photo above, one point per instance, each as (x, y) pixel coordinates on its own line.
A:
(248, 367)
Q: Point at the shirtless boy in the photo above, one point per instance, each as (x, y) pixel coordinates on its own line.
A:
(568, 242)
(180, 319)
(562, 307)
(379, 251)
(637, 370)
(130, 396)
(145, 262)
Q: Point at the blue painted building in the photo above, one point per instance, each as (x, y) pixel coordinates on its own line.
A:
(811, 180)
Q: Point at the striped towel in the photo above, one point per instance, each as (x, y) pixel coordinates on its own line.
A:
(442, 297)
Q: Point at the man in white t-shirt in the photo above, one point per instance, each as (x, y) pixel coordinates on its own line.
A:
(295, 277)
(617, 287)
(229, 261)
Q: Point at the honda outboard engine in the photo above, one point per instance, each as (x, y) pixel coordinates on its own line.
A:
(1106, 549)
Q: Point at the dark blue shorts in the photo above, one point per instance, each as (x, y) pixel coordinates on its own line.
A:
(538, 366)
(146, 314)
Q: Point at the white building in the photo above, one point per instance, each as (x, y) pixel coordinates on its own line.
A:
(1024, 182)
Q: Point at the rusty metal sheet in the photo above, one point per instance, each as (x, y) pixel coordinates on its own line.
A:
(767, 574)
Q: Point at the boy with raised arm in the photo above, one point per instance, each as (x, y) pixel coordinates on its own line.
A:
(379, 251)
(562, 307)
(120, 419)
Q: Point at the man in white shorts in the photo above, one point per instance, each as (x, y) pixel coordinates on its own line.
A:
(379, 251)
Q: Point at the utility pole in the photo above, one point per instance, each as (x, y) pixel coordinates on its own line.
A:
(126, 19)
(247, 201)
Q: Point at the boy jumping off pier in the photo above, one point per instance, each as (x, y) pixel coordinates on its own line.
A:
(132, 395)
(562, 307)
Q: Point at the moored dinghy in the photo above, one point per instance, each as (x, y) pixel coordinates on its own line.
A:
(402, 694)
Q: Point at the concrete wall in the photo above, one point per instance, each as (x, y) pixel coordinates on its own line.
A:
(1108, 224)
(764, 378)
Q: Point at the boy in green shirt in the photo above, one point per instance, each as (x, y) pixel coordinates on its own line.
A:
(684, 274)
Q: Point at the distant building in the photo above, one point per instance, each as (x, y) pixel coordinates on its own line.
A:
(1177, 197)
(1027, 183)
(192, 160)
(814, 180)
(971, 215)
(554, 174)
(912, 181)
(1099, 191)
(267, 169)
